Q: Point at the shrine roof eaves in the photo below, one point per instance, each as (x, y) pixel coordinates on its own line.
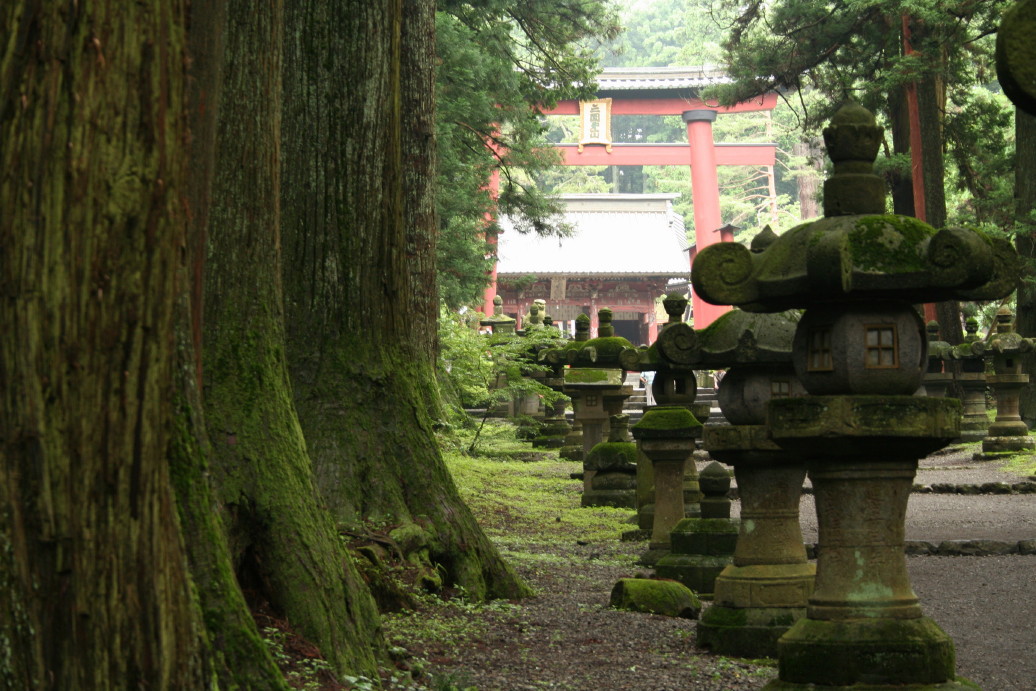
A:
(654, 78)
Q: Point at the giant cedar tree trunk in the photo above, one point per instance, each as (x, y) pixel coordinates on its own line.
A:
(1025, 241)
(94, 589)
(899, 123)
(284, 544)
(418, 103)
(931, 103)
(809, 176)
(241, 658)
(358, 350)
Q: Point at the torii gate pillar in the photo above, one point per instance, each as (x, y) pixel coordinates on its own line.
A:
(705, 195)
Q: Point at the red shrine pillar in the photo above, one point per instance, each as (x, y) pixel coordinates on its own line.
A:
(652, 326)
(494, 192)
(705, 195)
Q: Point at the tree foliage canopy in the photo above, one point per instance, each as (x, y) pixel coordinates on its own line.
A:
(499, 62)
(854, 49)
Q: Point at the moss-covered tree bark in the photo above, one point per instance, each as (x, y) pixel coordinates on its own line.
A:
(240, 656)
(94, 585)
(283, 542)
(360, 362)
(931, 93)
(1025, 241)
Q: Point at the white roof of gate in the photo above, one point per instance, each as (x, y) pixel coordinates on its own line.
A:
(613, 234)
(642, 78)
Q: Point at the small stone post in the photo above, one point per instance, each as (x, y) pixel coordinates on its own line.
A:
(702, 547)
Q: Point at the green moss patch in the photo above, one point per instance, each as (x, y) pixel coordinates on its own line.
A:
(888, 243)
(609, 347)
(668, 419)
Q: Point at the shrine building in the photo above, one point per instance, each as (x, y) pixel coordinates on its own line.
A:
(626, 251)
(658, 91)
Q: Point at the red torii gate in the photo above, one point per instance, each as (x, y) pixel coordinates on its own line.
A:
(671, 91)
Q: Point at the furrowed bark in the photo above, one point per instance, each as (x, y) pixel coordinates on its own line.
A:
(358, 340)
(94, 587)
(284, 544)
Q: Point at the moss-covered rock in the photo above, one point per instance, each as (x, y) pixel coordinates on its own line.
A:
(655, 596)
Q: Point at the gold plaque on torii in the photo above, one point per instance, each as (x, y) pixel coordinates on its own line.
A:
(595, 123)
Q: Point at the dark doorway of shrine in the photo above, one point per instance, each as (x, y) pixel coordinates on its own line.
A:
(630, 329)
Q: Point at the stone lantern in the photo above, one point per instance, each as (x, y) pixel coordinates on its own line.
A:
(860, 351)
(702, 547)
(531, 407)
(554, 429)
(614, 466)
(595, 381)
(972, 381)
(936, 379)
(499, 322)
(666, 435)
(558, 358)
(674, 385)
(1008, 434)
(764, 590)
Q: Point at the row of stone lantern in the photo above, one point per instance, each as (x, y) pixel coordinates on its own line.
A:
(755, 569)
(859, 350)
(1002, 352)
(1008, 433)
(549, 426)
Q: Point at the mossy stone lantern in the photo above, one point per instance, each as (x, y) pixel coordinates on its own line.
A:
(1008, 434)
(937, 379)
(595, 380)
(674, 385)
(554, 429)
(499, 322)
(860, 352)
(972, 381)
(559, 358)
(667, 434)
(702, 547)
(764, 590)
(614, 462)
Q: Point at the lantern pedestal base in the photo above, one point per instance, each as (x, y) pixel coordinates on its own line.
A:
(861, 654)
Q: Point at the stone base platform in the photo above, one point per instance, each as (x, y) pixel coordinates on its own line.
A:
(864, 654)
(958, 684)
(994, 448)
(749, 632)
